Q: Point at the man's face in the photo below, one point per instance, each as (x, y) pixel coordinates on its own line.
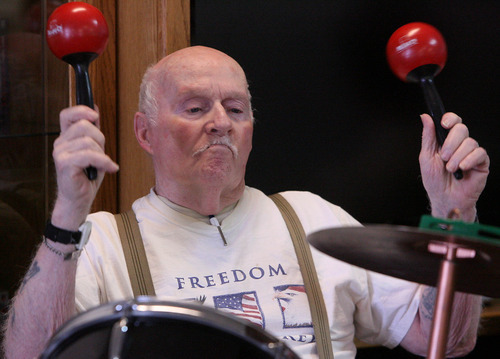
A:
(203, 134)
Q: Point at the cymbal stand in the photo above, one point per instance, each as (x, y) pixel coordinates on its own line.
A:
(445, 295)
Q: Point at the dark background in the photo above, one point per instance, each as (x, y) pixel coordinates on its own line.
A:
(331, 118)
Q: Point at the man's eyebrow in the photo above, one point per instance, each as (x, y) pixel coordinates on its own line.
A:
(200, 94)
(237, 95)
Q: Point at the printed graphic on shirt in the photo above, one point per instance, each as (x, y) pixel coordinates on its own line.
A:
(244, 305)
(200, 299)
(307, 338)
(230, 276)
(292, 300)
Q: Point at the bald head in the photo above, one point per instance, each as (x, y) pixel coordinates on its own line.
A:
(184, 59)
(187, 64)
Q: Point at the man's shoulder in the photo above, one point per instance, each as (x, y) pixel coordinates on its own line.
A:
(102, 220)
(313, 208)
(303, 198)
(306, 195)
(100, 216)
(297, 199)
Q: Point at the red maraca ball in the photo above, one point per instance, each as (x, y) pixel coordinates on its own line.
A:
(76, 27)
(414, 45)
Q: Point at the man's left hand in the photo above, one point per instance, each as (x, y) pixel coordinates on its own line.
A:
(437, 165)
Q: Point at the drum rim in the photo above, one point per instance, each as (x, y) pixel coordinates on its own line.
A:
(142, 307)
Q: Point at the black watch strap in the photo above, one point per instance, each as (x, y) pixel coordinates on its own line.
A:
(61, 235)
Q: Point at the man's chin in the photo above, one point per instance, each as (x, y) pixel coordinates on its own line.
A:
(221, 174)
(217, 170)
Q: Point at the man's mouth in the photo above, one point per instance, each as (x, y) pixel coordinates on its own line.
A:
(224, 141)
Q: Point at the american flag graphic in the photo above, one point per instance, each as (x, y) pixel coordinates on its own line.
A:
(244, 305)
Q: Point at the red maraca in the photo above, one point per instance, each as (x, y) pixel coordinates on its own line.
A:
(77, 33)
(417, 52)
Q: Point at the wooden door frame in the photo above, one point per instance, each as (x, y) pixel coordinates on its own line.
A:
(141, 33)
(148, 30)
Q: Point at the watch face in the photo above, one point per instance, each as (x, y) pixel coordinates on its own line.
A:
(85, 230)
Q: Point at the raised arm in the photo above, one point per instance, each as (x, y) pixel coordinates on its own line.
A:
(447, 194)
(46, 296)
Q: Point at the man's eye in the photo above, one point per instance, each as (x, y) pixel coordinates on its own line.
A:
(236, 110)
(194, 110)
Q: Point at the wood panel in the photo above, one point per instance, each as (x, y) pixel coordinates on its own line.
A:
(141, 33)
(147, 31)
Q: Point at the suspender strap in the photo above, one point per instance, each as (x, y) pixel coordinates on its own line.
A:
(135, 255)
(311, 282)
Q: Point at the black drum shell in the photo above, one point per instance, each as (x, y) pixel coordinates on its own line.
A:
(163, 329)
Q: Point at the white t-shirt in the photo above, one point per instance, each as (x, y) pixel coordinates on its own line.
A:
(188, 261)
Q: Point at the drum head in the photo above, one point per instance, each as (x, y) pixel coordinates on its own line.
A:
(148, 328)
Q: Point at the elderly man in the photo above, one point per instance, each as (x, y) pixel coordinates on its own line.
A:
(196, 123)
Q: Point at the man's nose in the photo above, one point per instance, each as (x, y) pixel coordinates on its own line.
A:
(220, 123)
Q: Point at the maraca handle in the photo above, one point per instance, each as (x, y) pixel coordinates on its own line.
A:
(83, 90)
(80, 63)
(436, 110)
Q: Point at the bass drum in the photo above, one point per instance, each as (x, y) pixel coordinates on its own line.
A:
(150, 328)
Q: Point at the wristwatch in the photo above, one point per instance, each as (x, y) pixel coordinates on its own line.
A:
(79, 238)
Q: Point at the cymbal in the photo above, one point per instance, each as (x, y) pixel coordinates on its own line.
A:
(403, 252)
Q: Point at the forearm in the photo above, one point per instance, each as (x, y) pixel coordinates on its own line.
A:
(45, 300)
(46, 297)
(464, 322)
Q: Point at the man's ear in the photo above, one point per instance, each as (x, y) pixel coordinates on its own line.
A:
(142, 131)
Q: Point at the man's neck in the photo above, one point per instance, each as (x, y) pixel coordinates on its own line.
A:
(207, 201)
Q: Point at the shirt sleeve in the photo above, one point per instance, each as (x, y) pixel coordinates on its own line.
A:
(389, 310)
(102, 274)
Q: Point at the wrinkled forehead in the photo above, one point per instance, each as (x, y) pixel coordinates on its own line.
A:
(199, 70)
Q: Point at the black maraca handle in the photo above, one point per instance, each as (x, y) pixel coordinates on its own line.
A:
(83, 90)
(436, 110)
(80, 63)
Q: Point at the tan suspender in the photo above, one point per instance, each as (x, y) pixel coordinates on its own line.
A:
(311, 282)
(142, 284)
(135, 255)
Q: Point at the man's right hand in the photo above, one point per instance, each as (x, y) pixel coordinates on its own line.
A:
(80, 145)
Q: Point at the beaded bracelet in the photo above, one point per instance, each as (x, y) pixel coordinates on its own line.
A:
(66, 256)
